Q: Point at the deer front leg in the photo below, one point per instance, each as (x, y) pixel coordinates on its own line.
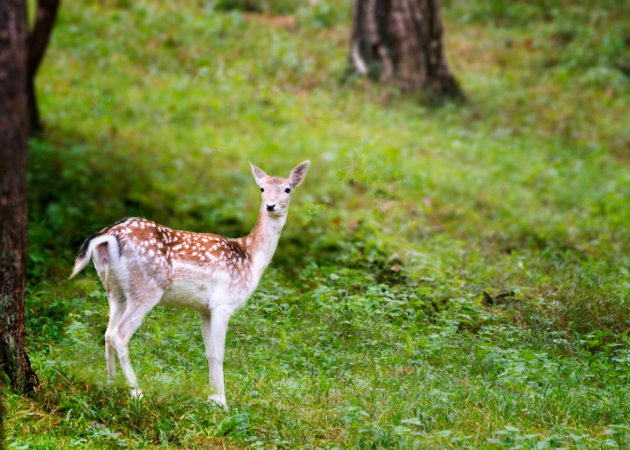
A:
(214, 328)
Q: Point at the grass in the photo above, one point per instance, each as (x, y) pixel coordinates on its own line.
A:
(371, 328)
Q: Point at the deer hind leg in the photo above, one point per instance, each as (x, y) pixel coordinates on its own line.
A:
(116, 299)
(116, 309)
(138, 304)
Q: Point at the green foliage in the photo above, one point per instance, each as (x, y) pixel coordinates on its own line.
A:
(320, 14)
(261, 6)
(448, 277)
(590, 45)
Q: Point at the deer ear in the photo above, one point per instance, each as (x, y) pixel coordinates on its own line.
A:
(259, 174)
(298, 173)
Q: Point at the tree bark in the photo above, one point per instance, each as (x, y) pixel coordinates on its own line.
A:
(38, 39)
(400, 41)
(13, 217)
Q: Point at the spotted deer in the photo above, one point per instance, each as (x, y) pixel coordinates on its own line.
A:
(142, 263)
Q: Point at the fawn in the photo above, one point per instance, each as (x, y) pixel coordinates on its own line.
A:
(142, 263)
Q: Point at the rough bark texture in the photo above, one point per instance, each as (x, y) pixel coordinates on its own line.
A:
(13, 219)
(400, 41)
(37, 43)
(1, 414)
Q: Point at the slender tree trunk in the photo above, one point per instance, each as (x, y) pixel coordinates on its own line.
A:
(38, 39)
(400, 41)
(34, 121)
(13, 218)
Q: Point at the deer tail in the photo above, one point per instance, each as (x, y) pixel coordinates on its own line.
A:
(107, 250)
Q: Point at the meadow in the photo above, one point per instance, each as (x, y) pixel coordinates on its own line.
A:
(453, 275)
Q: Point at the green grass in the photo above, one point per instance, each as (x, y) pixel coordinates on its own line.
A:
(370, 327)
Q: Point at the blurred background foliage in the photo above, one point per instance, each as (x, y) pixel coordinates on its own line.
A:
(408, 215)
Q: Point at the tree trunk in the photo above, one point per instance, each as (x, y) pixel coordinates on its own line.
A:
(34, 121)
(400, 41)
(37, 43)
(13, 218)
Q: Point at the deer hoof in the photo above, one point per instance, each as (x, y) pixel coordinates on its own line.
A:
(136, 393)
(219, 400)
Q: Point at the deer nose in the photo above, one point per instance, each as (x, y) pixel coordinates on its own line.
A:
(271, 207)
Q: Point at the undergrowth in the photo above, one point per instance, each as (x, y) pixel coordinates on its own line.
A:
(453, 276)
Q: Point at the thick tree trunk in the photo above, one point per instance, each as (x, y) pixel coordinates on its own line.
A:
(13, 219)
(37, 43)
(400, 41)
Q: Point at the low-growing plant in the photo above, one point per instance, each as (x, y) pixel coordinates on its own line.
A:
(450, 277)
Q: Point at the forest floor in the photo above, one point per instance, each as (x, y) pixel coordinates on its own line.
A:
(448, 276)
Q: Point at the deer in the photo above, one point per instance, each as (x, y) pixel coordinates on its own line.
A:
(142, 264)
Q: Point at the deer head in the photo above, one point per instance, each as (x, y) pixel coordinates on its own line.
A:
(276, 191)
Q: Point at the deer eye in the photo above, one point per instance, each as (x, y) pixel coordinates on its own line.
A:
(262, 189)
(287, 190)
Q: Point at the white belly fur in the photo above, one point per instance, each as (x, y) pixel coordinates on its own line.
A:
(196, 295)
(202, 291)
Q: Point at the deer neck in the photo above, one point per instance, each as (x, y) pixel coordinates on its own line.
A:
(261, 243)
